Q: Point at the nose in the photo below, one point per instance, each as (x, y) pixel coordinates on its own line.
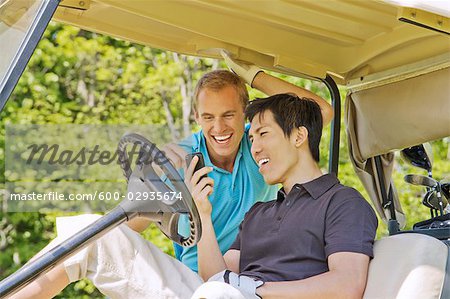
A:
(256, 148)
(219, 125)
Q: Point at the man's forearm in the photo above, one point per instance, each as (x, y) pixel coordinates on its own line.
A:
(271, 85)
(332, 284)
(210, 259)
(138, 224)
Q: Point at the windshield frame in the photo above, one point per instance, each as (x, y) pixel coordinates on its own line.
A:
(26, 49)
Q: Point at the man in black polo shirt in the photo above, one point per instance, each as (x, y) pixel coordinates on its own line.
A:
(315, 240)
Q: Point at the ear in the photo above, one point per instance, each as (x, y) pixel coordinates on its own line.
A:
(196, 116)
(301, 136)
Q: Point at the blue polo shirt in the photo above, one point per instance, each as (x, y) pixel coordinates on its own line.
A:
(234, 194)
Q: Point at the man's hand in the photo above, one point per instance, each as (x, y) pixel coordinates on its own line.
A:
(175, 154)
(210, 259)
(199, 187)
(246, 285)
(245, 71)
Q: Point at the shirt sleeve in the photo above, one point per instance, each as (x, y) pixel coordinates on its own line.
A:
(350, 226)
(191, 143)
(183, 227)
(237, 242)
(178, 250)
(187, 144)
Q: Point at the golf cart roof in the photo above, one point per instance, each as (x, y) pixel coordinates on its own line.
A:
(346, 39)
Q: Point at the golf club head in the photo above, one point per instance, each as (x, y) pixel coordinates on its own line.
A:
(419, 155)
(431, 200)
(420, 180)
(426, 199)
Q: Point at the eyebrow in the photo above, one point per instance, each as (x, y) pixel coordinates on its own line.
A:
(226, 112)
(256, 131)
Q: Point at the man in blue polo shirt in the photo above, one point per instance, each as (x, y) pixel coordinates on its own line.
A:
(220, 99)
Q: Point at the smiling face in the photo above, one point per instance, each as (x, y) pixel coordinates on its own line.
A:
(276, 155)
(221, 115)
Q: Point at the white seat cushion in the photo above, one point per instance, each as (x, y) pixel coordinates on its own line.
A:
(407, 266)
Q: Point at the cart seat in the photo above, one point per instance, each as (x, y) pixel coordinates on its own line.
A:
(407, 266)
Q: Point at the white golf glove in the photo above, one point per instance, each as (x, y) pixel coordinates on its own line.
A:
(247, 72)
(246, 285)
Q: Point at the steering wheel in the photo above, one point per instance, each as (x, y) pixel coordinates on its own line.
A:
(174, 198)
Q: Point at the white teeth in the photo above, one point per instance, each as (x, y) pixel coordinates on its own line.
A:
(222, 138)
(262, 162)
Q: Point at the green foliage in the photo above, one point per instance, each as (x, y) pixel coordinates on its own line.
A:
(78, 77)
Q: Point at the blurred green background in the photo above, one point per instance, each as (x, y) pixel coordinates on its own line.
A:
(78, 77)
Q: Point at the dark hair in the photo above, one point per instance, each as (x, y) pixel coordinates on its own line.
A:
(219, 79)
(290, 111)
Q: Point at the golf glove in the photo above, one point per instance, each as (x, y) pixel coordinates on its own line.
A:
(247, 72)
(246, 285)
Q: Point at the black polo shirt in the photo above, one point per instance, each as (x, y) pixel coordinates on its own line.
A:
(290, 238)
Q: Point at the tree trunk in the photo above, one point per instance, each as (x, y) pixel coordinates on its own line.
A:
(170, 122)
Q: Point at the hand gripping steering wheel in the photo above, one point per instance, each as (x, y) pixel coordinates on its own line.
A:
(166, 208)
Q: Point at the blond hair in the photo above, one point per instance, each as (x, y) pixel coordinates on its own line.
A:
(219, 79)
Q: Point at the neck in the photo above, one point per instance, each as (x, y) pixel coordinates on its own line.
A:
(305, 171)
(224, 162)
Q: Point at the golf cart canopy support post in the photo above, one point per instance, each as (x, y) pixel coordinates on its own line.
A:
(333, 163)
(26, 49)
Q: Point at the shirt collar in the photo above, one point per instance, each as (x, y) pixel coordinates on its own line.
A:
(315, 188)
(281, 195)
(319, 186)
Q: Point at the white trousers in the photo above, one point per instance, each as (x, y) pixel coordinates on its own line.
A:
(122, 264)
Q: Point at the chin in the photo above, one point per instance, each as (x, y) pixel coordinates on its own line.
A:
(223, 152)
(270, 180)
(226, 151)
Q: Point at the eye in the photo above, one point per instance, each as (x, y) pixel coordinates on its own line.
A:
(207, 117)
(229, 116)
(263, 133)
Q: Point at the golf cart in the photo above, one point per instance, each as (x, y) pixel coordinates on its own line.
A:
(393, 56)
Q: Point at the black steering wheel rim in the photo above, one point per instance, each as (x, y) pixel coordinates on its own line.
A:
(168, 223)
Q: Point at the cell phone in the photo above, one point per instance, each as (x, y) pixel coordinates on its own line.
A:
(200, 162)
